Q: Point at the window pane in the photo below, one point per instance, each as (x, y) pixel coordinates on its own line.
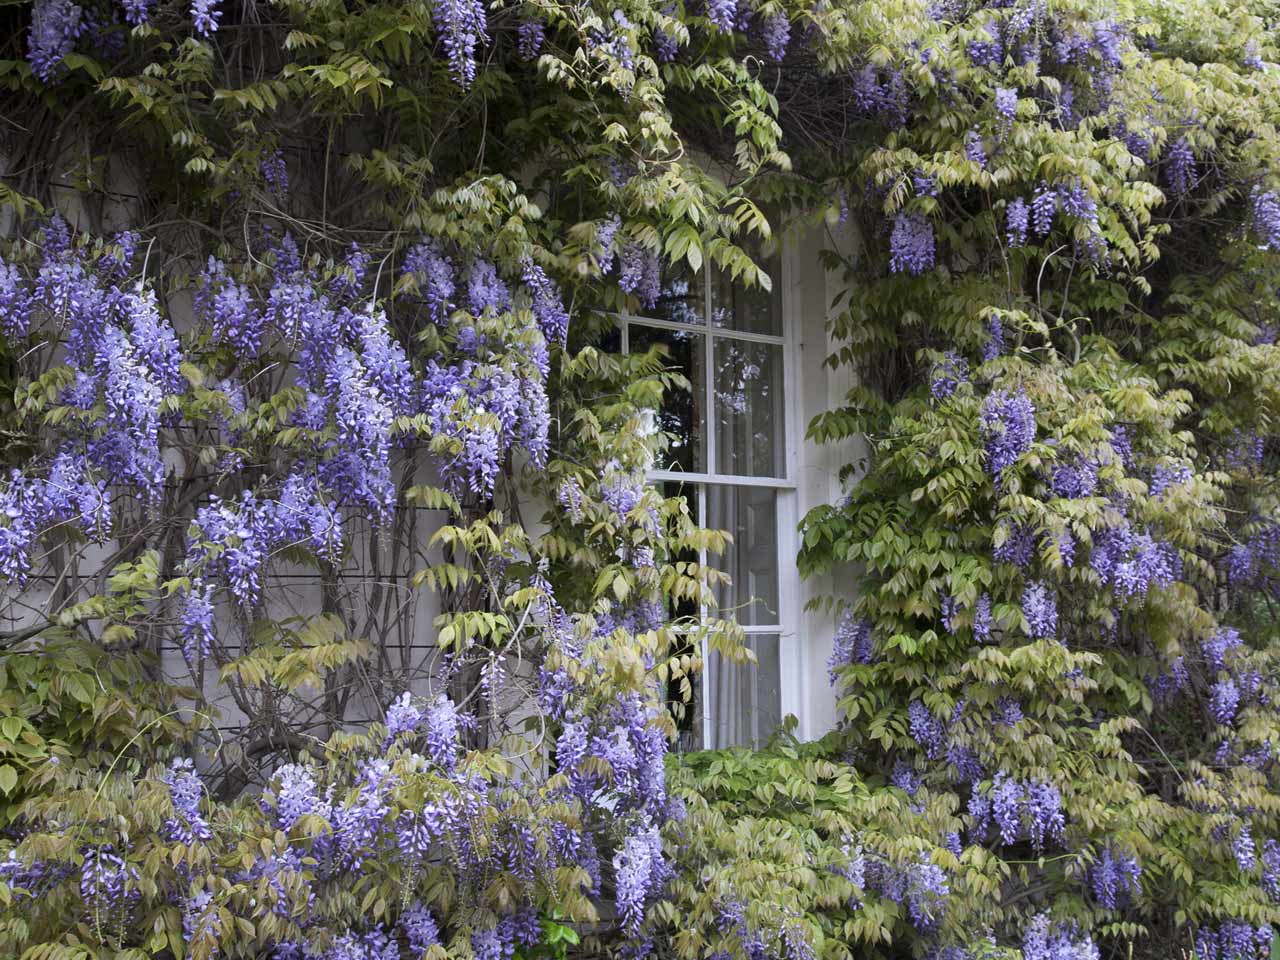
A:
(684, 608)
(683, 413)
(750, 435)
(751, 561)
(683, 297)
(744, 700)
(735, 306)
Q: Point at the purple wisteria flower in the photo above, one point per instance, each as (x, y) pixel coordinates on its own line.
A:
(461, 25)
(1265, 211)
(1122, 444)
(982, 619)
(1008, 711)
(1006, 104)
(205, 16)
(723, 14)
(1019, 544)
(947, 375)
(640, 273)
(923, 184)
(922, 886)
(988, 52)
(1016, 222)
(1219, 646)
(776, 32)
(926, 729)
(137, 11)
(530, 36)
(229, 308)
(949, 610)
(31, 880)
(995, 340)
(640, 870)
(486, 290)
(911, 244)
(403, 716)
(1039, 606)
(974, 149)
(569, 496)
(1243, 849)
(441, 732)
(1132, 563)
(606, 231)
(665, 47)
(294, 797)
(905, 778)
(1075, 200)
(852, 644)
(1271, 869)
(880, 94)
(1114, 878)
(185, 790)
(1029, 809)
(1075, 479)
(1181, 170)
(109, 891)
(1043, 207)
(548, 306)
(1062, 941)
(1233, 940)
(1224, 700)
(434, 275)
(1167, 475)
(55, 27)
(197, 624)
(200, 918)
(1009, 428)
(420, 928)
(276, 174)
(15, 303)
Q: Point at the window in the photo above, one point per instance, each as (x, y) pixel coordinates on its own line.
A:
(731, 457)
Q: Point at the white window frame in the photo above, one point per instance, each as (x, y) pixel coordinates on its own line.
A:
(791, 651)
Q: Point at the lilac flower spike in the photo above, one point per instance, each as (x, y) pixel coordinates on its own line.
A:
(1009, 428)
(911, 244)
(462, 25)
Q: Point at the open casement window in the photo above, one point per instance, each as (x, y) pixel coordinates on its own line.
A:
(731, 458)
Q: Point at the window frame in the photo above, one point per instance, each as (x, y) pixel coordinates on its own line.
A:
(792, 657)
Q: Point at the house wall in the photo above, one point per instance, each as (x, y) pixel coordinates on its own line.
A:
(813, 291)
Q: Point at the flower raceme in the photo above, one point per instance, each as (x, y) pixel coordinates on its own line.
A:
(127, 362)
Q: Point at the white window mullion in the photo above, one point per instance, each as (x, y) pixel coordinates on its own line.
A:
(709, 402)
(792, 654)
(722, 479)
(704, 697)
(661, 324)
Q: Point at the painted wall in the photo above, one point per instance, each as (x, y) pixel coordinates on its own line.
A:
(812, 293)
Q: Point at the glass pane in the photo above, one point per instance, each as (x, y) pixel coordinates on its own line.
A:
(684, 609)
(683, 297)
(735, 306)
(744, 701)
(751, 561)
(683, 413)
(750, 435)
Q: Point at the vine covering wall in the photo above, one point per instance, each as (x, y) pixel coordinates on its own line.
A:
(353, 326)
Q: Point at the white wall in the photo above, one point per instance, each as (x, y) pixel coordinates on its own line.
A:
(819, 388)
